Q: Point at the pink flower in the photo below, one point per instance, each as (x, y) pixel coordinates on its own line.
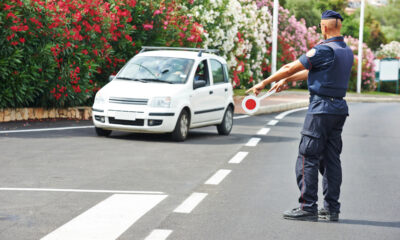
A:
(157, 12)
(147, 26)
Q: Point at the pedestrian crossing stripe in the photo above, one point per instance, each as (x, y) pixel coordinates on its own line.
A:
(108, 219)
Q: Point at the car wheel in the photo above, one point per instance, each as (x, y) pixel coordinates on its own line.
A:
(182, 127)
(102, 132)
(226, 125)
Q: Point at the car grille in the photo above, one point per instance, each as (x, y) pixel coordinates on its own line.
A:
(133, 101)
(137, 122)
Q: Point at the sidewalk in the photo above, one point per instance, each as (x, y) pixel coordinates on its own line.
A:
(288, 100)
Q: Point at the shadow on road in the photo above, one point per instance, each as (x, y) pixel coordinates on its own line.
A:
(368, 223)
(290, 124)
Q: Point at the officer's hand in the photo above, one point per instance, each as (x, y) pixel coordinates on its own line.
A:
(257, 88)
(280, 86)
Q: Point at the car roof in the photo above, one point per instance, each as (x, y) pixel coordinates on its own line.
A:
(181, 54)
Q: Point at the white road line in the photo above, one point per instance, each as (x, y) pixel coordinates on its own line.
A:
(284, 114)
(108, 219)
(218, 177)
(272, 122)
(241, 116)
(263, 131)
(159, 234)
(45, 129)
(78, 190)
(252, 142)
(238, 157)
(190, 203)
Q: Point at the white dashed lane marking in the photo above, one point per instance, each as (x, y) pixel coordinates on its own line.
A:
(190, 203)
(108, 219)
(218, 177)
(253, 142)
(159, 234)
(263, 131)
(272, 122)
(238, 158)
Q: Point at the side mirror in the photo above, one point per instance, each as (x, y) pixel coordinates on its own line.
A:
(199, 84)
(111, 77)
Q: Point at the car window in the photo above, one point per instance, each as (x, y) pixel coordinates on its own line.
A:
(157, 69)
(217, 71)
(226, 74)
(202, 72)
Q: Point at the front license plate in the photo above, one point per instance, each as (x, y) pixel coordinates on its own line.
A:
(125, 116)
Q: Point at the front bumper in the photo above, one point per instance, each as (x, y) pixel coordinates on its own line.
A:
(151, 120)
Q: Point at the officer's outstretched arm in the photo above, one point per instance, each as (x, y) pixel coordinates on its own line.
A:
(283, 84)
(284, 72)
(299, 76)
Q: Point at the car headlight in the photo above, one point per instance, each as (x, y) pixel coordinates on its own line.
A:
(161, 102)
(99, 99)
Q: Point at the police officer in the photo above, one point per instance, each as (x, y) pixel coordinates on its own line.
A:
(327, 68)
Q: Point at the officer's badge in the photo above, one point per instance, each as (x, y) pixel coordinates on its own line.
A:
(311, 53)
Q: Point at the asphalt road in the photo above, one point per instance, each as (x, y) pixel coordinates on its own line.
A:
(67, 184)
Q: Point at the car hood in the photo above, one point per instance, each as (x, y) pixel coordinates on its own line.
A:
(133, 89)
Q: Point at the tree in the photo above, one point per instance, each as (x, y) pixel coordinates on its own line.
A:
(335, 5)
(389, 18)
(304, 9)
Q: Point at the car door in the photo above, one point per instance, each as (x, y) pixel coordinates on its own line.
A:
(202, 99)
(220, 88)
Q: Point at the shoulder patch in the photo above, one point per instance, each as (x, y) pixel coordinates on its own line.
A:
(311, 53)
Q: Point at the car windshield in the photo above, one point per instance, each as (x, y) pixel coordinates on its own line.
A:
(157, 69)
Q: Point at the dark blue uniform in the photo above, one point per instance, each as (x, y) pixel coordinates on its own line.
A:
(321, 143)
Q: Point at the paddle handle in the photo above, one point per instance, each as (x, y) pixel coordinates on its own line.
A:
(267, 94)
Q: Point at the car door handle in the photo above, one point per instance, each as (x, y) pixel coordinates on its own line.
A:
(211, 92)
(226, 89)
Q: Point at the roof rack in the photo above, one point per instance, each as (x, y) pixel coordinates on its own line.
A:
(200, 50)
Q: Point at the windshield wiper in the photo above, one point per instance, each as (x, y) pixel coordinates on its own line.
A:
(158, 80)
(133, 79)
(148, 70)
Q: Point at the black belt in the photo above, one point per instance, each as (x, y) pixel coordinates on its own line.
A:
(321, 97)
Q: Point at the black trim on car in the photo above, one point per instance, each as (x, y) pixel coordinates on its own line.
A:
(209, 110)
(162, 114)
(97, 110)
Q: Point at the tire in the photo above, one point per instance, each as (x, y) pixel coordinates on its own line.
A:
(102, 132)
(226, 125)
(182, 127)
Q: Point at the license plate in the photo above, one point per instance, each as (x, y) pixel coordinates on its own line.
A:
(125, 116)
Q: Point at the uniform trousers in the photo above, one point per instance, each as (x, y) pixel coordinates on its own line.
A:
(319, 149)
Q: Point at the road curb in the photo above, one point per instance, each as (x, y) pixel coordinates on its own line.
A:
(372, 99)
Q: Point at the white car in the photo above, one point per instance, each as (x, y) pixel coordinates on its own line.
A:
(166, 90)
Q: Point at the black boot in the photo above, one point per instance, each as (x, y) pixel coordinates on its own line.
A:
(325, 214)
(301, 215)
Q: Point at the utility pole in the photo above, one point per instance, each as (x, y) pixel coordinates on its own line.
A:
(360, 47)
(274, 37)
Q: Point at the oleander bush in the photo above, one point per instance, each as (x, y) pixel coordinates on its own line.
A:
(58, 53)
(390, 50)
(368, 66)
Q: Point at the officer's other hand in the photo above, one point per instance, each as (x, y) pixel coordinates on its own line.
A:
(280, 86)
(256, 89)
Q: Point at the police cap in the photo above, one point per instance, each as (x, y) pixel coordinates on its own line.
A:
(329, 14)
